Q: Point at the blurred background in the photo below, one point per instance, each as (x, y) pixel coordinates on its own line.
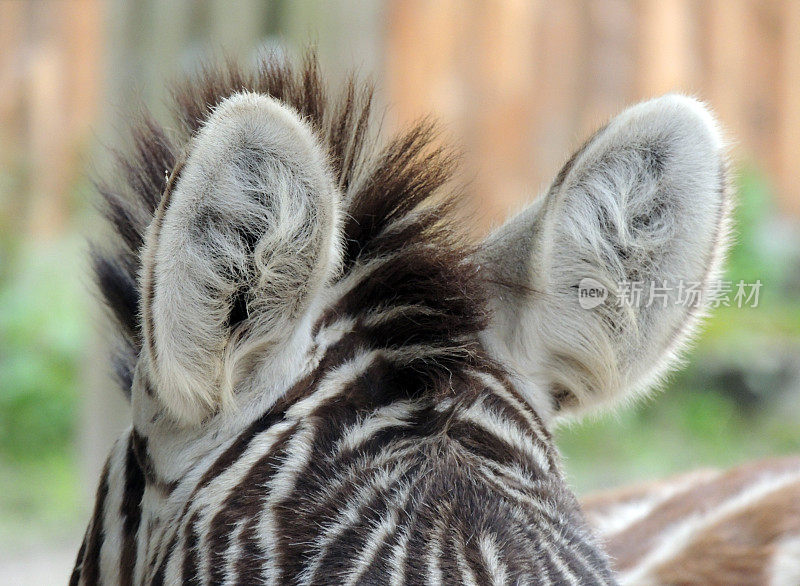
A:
(517, 83)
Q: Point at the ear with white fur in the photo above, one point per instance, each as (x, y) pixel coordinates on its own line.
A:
(599, 283)
(247, 232)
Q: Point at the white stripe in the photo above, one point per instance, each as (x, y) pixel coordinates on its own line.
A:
(613, 519)
(381, 315)
(491, 559)
(444, 404)
(467, 575)
(525, 411)
(358, 275)
(389, 454)
(232, 553)
(332, 385)
(785, 565)
(174, 570)
(333, 332)
(298, 454)
(547, 508)
(208, 502)
(553, 529)
(514, 471)
(337, 380)
(351, 514)
(279, 489)
(507, 431)
(378, 535)
(560, 565)
(392, 415)
(399, 552)
(435, 553)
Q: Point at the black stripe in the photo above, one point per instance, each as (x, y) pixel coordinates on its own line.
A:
(91, 561)
(380, 569)
(146, 466)
(149, 294)
(484, 444)
(247, 566)
(414, 567)
(76, 571)
(448, 561)
(343, 550)
(540, 524)
(474, 559)
(190, 571)
(131, 512)
(158, 577)
(236, 449)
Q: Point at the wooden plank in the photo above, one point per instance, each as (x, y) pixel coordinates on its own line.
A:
(665, 47)
(48, 127)
(561, 78)
(727, 77)
(501, 85)
(238, 32)
(423, 41)
(789, 109)
(12, 27)
(611, 48)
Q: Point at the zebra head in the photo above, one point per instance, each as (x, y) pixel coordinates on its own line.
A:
(592, 289)
(330, 385)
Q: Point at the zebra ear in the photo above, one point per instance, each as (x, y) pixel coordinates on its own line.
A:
(245, 235)
(642, 206)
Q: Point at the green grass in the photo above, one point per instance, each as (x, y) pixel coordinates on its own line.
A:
(43, 334)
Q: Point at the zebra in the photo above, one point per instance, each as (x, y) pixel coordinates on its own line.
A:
(707, 526)
(331, 383)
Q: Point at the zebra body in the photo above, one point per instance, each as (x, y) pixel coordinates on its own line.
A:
(740, 526)
(397, 493)
(328, 386)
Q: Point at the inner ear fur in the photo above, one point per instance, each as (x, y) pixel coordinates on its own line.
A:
(643, 201)
(245, 235)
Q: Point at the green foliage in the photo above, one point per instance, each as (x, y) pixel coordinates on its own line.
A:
(679, 430)
(43, 334)
(43, 337)
(40, 497)
(747, 259)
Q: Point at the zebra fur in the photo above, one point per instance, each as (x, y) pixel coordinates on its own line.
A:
(383, 436)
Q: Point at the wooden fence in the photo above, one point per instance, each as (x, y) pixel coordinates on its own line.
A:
(518, 82)
(521, 81)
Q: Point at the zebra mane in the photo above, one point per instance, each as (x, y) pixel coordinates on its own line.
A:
(395, 200)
